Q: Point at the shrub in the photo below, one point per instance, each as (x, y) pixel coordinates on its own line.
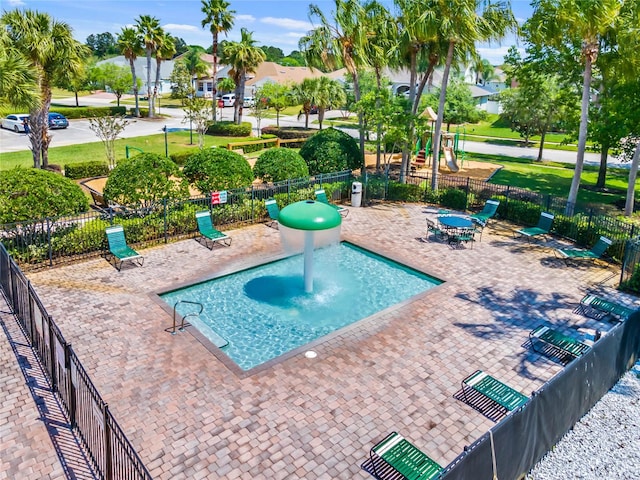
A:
(218, 169)
(403, 192)
(87, 112)
(27, 194)
(279, 164)
(331, 150)
(145, 180)
(454, 198)
(86, 170)
(230, 129)
(287, 133)
(181, 158)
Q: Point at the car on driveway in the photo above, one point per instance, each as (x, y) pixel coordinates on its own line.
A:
(57, 120)
(15, 122)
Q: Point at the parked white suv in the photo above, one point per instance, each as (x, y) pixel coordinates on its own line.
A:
(229, 99)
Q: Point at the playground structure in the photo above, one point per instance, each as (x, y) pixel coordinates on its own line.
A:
(450, 146)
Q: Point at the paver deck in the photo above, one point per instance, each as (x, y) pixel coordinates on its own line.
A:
(190, 417)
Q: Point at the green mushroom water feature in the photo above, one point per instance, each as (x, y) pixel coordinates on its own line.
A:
(305, 226)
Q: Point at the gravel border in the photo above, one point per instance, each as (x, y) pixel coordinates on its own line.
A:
(604, 444)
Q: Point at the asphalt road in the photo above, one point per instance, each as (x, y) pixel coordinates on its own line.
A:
(79, 132)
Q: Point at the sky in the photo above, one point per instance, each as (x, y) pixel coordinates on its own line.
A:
(278, 23)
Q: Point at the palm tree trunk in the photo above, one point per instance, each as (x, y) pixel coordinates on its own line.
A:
(438, 127)
(240, 98)
(356, 94)
(150, 103)
(582, 138)
(135, 86)
(406, 157)
(214, 91)
(633, 172)
(378, 126)
(155, 85)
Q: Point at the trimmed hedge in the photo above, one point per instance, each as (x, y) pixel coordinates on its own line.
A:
(86, 170)
(230, 129)
(87, 112)
(331, 150)
(286, 133)
(278, 164)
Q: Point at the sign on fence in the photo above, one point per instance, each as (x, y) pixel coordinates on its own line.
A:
(218, 197)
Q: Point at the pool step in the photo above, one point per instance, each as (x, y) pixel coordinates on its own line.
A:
(217, 340)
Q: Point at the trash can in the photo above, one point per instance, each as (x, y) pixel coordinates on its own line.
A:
(356, 194)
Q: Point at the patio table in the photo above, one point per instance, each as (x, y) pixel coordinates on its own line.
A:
(455, 221)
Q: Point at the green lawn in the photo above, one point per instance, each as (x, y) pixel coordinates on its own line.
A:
(494, 127)
(555, 178)
(176, 141)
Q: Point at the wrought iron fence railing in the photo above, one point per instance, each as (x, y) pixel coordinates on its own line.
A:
(107, 446)
(53, 241)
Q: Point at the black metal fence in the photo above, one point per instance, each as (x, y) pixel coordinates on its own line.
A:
(54, 241)
(520, 440)
(630, 276)
(518, 205)
(106, 444)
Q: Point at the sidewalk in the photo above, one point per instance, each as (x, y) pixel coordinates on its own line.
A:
(35, 439)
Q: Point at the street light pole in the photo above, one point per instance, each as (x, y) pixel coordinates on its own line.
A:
(190, 132)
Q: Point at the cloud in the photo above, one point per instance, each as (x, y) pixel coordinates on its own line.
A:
(181, 27)
(288, 23)
(246, 18)
(496, 55)
(16, 3)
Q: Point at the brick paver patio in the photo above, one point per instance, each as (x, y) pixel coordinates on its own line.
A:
(190, 417)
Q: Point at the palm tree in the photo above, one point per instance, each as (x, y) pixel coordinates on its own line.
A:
(419, 49)
(244, 57)
(382, 41)
(151, 33)
(304, 93)
(220, 20)
(339, 43)
(556, 23)
(51, 52)
(484, 71)
(166, 50)
(17, 78)
(130, 46)
(328, 94)
(194, 64)
(462, 23)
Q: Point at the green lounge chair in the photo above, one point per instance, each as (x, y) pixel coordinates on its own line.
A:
(119, 250)
(541, 230)
(321, 196)
(489, 210)
(396, 455)
(596, 252)
(603, 308)
(496, 391)
(562, 343)
(273, 211)
(210, 235)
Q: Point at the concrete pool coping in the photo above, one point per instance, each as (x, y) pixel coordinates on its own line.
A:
(233, 366)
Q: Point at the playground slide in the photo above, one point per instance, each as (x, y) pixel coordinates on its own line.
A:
(450, 157)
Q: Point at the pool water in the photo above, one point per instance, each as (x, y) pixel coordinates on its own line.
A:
(263, 312)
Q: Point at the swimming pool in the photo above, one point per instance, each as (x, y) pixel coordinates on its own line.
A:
(263, 312)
